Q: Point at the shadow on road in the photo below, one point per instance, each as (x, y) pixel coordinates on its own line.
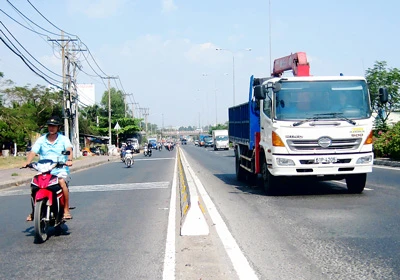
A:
(294, 186)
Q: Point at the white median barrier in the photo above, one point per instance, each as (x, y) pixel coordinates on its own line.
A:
(193, 221)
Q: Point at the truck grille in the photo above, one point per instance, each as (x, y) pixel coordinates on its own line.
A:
(312, 145)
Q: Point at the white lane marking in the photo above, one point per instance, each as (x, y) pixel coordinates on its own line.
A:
(99, 188)
(344, 183)
(169, 258)
(239, 261)
(339, 182)
(386, 167)
(140, 159)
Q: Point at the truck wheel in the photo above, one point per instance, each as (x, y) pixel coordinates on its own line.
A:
(356, 183)
(270, 182)
(240, 172)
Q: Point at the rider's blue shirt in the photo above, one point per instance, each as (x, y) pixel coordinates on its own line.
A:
(47, 150)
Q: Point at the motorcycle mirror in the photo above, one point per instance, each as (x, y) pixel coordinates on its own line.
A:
(66, 153)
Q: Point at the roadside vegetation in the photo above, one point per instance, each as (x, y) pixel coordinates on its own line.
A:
(24, 111)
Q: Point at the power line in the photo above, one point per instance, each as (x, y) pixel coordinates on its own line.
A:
(28, 51)
(22, 58)
(49, 20)
(30, 19)
(26, 61)
(32, 30)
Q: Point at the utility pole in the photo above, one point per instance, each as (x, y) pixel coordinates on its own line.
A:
(133, 108)
(146, 113)
(109, 109)
(66, 108)
(141, 110)
(126, 109)
(74, 99)
(162, 125)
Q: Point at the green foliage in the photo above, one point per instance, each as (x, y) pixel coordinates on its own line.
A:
(382, 76)
(117, 103)
(218, 127)
(387, 144)
(25, 110)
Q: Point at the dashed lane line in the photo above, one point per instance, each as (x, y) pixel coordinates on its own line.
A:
(99, 188)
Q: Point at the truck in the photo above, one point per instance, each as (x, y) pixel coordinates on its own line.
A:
(201, 139)
(220, 139)
(153, 141)
(293, 127)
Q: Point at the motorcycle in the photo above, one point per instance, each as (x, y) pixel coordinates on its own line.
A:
(47, 199)
(147, 151)
(128, 158)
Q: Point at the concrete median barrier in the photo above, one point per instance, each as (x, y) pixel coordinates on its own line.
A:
(193, 221)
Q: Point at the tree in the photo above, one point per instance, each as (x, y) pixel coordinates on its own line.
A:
(25, 110)
(117, 103)
(382, 76)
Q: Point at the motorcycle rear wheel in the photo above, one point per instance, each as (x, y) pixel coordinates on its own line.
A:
(40, 224)
(128, 162)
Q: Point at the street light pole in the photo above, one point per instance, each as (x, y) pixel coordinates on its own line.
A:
(215, 92)
(233, 78)
(216, 111)
(233, 68)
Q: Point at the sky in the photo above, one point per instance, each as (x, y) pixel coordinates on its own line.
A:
(164, 51)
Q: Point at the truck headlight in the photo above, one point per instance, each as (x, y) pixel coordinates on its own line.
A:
(284, 162)
(366, 159)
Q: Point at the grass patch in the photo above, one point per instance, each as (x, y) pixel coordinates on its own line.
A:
(11, 162)
(16, 162)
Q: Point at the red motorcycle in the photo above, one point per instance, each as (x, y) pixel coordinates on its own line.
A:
(47, 199)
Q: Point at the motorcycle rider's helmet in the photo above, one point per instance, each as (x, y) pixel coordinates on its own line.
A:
(54, 120)
(129, 142)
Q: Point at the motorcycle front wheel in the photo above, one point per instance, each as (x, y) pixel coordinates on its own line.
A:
(39, 219)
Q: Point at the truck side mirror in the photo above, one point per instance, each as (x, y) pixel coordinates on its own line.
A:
(259, 92)
(277, 87)
(383, 95)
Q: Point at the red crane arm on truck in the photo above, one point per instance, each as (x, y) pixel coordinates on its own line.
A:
(297, 62)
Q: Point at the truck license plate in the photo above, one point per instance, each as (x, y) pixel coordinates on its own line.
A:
(325, 159)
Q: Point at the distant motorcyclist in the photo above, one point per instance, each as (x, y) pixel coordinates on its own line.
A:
(149, 147)
(129, 147)
(123, 150)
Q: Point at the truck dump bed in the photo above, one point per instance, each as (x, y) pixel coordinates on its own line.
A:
(244, 121)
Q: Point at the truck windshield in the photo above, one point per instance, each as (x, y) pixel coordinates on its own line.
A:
(298, 100)
(221, 138)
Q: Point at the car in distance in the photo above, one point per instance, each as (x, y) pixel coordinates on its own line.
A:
(208, 141)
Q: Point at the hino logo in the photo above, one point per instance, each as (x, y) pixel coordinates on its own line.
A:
(325, 142)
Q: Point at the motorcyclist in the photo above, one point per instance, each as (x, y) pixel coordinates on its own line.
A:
(129, 146)
(50, 146)
(149, 147)
(123, 150)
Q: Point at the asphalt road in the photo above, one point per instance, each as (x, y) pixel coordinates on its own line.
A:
(118, 230)
(313, 230)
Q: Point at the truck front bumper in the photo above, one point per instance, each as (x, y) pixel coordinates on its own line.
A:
(320, 165)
